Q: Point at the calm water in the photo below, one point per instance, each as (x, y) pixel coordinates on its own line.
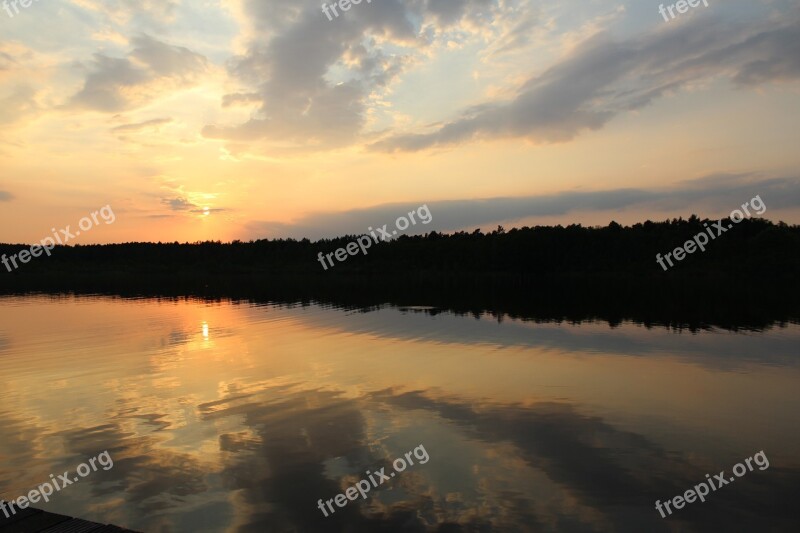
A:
(237, 417)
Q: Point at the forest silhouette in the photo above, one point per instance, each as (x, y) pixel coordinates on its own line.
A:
(746, 278)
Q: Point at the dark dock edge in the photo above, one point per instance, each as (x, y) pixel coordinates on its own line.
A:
(32, 520)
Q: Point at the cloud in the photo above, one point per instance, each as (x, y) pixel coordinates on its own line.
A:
(127, 132)
(231, 100)
(6, 61)
(718, 192)
(521, 31)
(151, 69)
(20, 103)
(151, 13)
(6, 196)
(312, 78)
(179, 204)
(138, 126)
(603, 78)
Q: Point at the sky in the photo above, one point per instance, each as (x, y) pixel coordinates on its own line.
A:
(246, 119)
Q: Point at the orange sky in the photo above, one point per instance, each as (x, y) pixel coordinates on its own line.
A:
(247, 119)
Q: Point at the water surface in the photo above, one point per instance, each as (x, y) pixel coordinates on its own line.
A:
(224, 416)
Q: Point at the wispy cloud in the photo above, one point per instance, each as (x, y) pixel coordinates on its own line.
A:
(604, 78)
(139, 126)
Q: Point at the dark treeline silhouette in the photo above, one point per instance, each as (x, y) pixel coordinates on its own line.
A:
(747, 277)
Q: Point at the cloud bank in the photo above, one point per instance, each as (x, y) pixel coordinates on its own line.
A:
(719, 193)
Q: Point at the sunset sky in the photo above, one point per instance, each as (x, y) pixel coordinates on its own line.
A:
(244, 119)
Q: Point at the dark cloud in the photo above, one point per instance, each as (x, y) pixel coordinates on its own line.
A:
(714, 192)
(604, 78)
(451, 11)
(116, 84)
(179, 204)
(6, 196)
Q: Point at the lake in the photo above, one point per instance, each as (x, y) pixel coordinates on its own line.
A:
(235, 416)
